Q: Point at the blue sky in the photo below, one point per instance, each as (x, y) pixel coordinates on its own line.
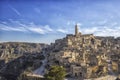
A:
(44, 21)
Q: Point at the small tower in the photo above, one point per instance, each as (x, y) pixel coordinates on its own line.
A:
(76, 30)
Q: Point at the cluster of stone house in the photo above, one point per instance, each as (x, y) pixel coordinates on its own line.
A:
(85, 55)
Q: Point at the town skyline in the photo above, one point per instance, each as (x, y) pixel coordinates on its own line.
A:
(44, 21)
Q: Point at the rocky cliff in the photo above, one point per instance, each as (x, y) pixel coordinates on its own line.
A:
(17, 57)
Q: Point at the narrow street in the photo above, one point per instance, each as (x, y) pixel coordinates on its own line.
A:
(41, 70)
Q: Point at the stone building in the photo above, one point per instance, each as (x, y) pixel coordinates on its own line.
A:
(78, 71)
(83, 54)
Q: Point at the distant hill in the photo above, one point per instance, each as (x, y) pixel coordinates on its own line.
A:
(12, 50)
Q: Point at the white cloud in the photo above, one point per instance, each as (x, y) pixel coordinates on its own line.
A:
(26, 28)
(90, 30)
(79, 24)
(62, 30)
(15, 10)
(102, 31)
(114, 23)
(36, 30)
(43, 29)
(47, 27)
(6, 28)
(4, 22)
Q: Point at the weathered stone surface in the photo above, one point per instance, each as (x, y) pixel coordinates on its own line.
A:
(93, 53)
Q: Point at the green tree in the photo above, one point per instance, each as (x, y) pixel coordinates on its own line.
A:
(55, 73)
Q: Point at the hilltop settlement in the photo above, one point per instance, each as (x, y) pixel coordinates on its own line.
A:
(84, 56)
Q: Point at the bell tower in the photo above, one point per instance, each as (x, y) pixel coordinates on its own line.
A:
(76, 30)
